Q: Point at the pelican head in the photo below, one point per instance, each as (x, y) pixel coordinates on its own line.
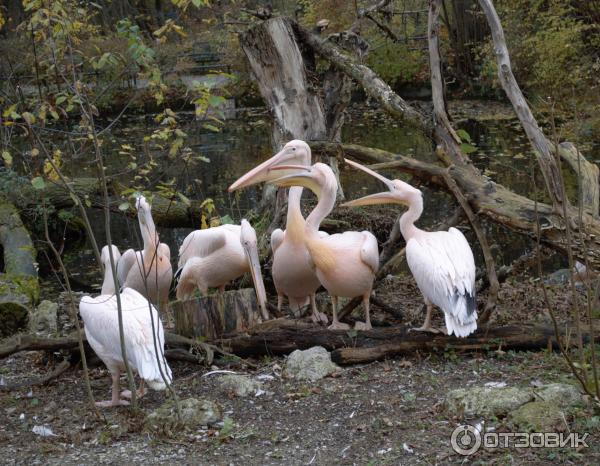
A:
(105, 255)
(399, 192)
(319, 178)
(250, 245)
(144, 209)
(295, 152)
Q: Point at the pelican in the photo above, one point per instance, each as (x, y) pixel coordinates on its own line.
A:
(140, 322)
(293, 275)
(149, 271)
(441, 261)
(345, 263)
(212, 257)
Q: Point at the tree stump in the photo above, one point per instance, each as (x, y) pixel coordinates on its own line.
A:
(212, 316)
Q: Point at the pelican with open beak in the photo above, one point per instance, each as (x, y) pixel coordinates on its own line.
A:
(293, 276)
(345, 263)
(441, 262)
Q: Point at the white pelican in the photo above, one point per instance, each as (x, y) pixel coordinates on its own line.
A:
(101, 325)
(345, 263)
(441, 261)
(212, 257)
(149, 271)
(293, 275)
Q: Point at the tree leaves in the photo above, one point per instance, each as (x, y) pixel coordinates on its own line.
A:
(38, 183)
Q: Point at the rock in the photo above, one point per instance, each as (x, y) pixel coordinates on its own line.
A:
(487, 401)
(240, 385)
(64, 321)
(558, 277)
(312, 364)
(539, 416)
(561, 394)
(42, 320)
(194, 413)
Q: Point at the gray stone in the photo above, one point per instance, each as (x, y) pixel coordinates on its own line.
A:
(194, 413)
(539, 416)
(487, 401)
(42, 320)
(561, 394)
(240, 385)
(311, 365)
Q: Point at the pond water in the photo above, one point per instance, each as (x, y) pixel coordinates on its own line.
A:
(502, 152)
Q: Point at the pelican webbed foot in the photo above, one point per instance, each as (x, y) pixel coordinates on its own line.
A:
(338, 326)
(319, 318)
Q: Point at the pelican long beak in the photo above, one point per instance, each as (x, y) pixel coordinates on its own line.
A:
(262, 172)
(301, 176)
(259, 286)
(382, 178)
(379, 198)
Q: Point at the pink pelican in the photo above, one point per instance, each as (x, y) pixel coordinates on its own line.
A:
(345, 263)
(140, 323)
(212, 257)
(293, 275)
(441, 261)
(149, 271)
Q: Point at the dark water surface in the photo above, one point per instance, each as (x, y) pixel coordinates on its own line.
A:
(502, 152)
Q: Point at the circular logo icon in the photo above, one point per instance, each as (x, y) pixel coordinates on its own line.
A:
(465, 440)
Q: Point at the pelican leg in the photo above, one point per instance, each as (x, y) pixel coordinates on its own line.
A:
(317, 317)
(426, 327)
(279, 303)
(336, 324)
(115, 400)
(366, 325)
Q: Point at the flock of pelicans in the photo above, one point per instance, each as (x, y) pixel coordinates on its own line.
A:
(304, 258)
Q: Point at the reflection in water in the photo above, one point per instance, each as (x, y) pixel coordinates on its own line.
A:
(503, 153)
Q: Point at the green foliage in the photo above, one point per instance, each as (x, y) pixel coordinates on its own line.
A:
(395, 64)
(553, 50)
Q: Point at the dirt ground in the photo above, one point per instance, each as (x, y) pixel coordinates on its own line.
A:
(389, 412)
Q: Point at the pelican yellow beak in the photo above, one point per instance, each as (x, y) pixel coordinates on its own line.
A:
(259, 286)
(261, 173)
(304, 178)
(373, 199)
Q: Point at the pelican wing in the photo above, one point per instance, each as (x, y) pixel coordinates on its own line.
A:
(202, 243)
(443, 266)
(276, 239)
(369, 251)
(126, 262)
(100, 317)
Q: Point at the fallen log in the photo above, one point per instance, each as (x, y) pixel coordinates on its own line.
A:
(490, 199)
(283, 336)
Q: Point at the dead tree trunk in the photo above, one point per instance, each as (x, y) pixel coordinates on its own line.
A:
(488, 198)
(541, 145)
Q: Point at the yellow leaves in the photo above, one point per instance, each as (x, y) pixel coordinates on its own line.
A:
(28, 117)
(169, 26)
(10, 112)
(208, 207)
(8, 160)
(49, 171)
